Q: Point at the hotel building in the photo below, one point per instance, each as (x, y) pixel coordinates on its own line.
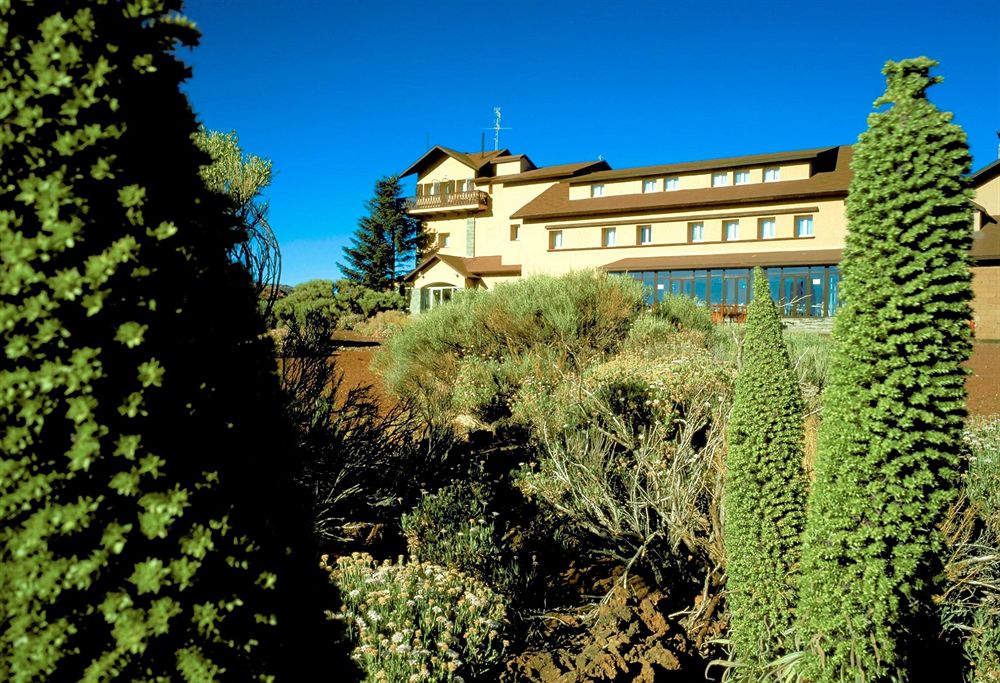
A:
(695, 228)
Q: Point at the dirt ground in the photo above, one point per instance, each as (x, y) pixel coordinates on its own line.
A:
(355, 356)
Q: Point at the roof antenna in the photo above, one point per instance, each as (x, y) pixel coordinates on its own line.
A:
(482, 144)
(496, 129)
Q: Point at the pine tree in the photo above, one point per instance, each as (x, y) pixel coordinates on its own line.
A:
(387, 240)
(149, 531)
(765, 493)
(889, 444)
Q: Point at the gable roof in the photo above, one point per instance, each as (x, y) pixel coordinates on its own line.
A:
(474, 160)
(471, 267)
(687, 166)
(832, 181)
(987, 172)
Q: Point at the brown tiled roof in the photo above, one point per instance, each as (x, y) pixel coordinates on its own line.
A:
(688, 166)
(474, 160)
(987, 172)
(813, 257)
(555, 202)
(469, 267)
(546, 173)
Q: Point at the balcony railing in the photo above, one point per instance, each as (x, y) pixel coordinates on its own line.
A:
(444, 201)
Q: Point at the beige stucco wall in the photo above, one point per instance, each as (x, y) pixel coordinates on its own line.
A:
(510, 167)
(439, 274)
(988, 196)
(986, 304)
(448, 168)
(582, 238)
(493, 226)
(456, 229)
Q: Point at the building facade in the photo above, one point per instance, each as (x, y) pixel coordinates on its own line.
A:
(694, 228)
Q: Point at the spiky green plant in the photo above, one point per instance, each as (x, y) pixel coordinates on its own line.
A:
(765, 491)
(889, 448)
(148, 528)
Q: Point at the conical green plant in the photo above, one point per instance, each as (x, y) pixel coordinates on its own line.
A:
(765, 493)
(889, 448)
(149, 528)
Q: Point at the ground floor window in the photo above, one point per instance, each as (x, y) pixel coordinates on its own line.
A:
(435, 295)
(799, 291)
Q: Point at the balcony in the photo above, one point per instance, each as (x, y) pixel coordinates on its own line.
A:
(450, 201)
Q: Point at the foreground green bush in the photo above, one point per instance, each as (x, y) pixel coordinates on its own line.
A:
(140, 426)
(890, 443)
(765, 492)
(419, 621)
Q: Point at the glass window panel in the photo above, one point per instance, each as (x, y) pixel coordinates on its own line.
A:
(700, 292)
(715, 287)
(833, 296)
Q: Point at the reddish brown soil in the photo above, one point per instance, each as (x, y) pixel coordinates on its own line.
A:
(355, 357)
(984, 382)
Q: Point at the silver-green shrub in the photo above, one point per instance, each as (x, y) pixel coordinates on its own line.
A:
(419, 621)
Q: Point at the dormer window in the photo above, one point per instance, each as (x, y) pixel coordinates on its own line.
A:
(649, 186)
(597, 190)
(720, 179)
(772, 174)
(741, 177)
(671, 183)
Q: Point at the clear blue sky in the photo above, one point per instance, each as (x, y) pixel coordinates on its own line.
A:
(340, 93)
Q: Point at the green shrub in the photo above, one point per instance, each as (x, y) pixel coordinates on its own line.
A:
(454, 527)
(810, 356)
(313, 299)
(765, 492)
(419, 620)
(890, 443)
(343, 302)
(383, 324)
(358, 299)
(140, 420)
(685, 313)
(570, 321)
(631, 458)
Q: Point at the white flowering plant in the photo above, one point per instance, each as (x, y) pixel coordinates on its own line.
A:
(416, 621)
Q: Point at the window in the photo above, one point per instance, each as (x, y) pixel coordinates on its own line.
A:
(436, 295)
(804, 226)
(444, 240)
(771, 174)
(720, 179)
(767, 230)
(435, 188)
(608, 237)
(555, 239)
(649, 186)
(645, 234)
(697, 232)
(671, 183)
(468, 185)
(597, 190)
(515, 232)
(732, 230)
(741, 177)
